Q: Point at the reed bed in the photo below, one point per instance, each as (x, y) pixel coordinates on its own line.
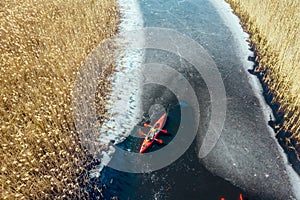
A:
(42, 44)
(274, 27)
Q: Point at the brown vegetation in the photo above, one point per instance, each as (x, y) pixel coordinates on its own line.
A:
(274, 28)
(42, 44)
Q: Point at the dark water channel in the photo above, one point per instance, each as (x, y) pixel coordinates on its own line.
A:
(186, 178)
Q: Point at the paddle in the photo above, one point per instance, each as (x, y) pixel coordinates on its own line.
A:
(159, 140)
(147, 125)
(142, 133)
(161, 130)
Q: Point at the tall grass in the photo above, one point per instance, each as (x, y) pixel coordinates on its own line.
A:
(42, 44)
(274, 27)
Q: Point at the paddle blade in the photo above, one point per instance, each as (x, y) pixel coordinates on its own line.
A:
(241, 197)
(146, 125)
(159, 141)
(141, 133)
(164, 131)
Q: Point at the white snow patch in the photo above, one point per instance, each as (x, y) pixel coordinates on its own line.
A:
(124, 103)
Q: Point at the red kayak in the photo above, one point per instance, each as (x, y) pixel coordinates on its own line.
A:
(153, 133)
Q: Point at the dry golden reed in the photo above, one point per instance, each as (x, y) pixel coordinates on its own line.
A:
(42, 44)
(274, 27)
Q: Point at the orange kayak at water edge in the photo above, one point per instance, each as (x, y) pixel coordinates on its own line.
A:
(153, 133)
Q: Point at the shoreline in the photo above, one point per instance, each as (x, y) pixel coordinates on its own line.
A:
(276, 120)
(42, 48)
(282, 114)
(122, 105)
(272, 117)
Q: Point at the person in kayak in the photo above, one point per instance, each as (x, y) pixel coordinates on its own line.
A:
(151, 134)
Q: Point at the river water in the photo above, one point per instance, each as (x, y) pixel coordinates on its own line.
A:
(186, 178)
(190, 177)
